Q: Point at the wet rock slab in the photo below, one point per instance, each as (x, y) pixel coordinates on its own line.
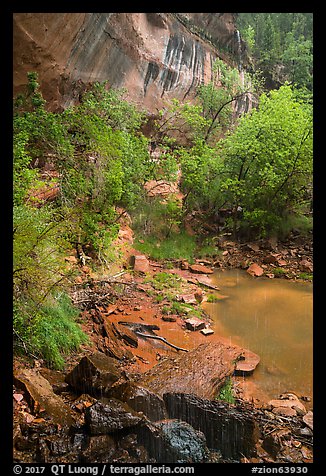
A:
(39, 393)
(288, 400)
(230, 429)
(95, 374)
(200, 269)
(201, 371)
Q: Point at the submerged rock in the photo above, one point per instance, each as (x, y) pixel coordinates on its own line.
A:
(255, 270)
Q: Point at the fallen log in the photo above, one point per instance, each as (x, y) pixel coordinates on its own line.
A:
(149, 336)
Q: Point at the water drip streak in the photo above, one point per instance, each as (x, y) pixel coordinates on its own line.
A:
(237, 34)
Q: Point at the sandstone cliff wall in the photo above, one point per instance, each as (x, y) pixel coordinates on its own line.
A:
(155, 56)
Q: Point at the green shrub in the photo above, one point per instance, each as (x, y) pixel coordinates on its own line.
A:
(176, 246)
(226, 392)
(212, 298)
(51, 331)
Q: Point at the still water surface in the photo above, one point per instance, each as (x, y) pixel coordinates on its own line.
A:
(273, 318)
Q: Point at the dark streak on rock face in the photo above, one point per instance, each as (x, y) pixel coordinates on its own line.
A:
(151, 75)
(182, 54)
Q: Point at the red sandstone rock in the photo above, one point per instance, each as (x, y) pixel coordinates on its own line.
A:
(247, 363)
(140, 263)
(188, 298)
(199, 268)
(255, 270)
(39, 392)
(207, 332)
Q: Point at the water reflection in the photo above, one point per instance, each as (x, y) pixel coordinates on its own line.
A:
(272, 317)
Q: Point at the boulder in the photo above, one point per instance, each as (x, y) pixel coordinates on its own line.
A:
(140, 263)
(110, 415)
(306, 266)
(200, 269)
(94, 374)
(188, 443)
(39, 393)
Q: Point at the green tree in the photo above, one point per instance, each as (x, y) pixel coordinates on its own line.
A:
(282, 45)
(268, 161)
(220, 95)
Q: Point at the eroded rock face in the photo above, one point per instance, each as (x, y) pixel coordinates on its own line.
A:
(229, 429)
(153, 55)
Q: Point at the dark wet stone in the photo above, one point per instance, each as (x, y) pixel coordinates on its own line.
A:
(100, 449)
(95, 374)
(108, 417)
(59, 445)
(173, 441)
(140, 399)
(272, 445)
(189, 444)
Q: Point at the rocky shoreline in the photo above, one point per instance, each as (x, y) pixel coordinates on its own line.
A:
(129, 398)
